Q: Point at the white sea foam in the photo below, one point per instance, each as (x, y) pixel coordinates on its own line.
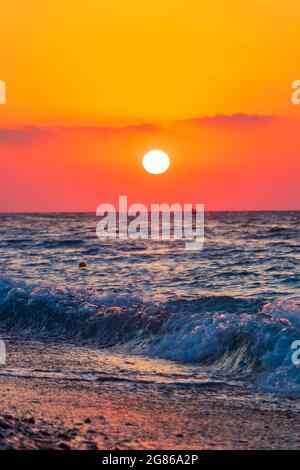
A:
(211, 331)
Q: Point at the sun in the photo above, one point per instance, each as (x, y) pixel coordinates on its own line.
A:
(156, 162)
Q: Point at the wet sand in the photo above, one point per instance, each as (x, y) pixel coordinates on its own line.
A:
(47, 406)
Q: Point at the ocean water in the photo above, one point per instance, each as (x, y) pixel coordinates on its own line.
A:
(231, 310)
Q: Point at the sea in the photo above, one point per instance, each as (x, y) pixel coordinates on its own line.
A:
(229, 313)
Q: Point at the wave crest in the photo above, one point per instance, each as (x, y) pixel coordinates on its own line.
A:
(233, 337)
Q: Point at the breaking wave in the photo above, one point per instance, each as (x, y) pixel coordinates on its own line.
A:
(242, 338)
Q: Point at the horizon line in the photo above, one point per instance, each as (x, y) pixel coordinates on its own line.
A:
(94, 212)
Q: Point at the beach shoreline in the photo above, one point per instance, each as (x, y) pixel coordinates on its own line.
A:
(46, 409)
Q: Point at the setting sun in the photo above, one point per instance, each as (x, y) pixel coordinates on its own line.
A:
(156, 162)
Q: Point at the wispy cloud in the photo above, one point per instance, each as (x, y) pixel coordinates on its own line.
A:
(23, 135)
(30, 134)
(109, 130)
(237, 119)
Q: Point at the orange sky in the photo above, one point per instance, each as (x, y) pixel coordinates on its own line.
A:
(93, 85)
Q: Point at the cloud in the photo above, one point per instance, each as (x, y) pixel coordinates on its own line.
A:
(107, 130)
(237, 119)
(31, 134)
(23, 135)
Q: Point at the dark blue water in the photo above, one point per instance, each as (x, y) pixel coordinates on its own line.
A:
(249, 255)
(234, 306)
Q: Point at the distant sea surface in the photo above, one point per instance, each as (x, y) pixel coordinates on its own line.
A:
(232, 308)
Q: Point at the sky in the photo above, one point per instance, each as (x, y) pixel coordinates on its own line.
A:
(93, 85)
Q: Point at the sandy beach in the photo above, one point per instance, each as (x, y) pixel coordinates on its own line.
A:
(49, 406)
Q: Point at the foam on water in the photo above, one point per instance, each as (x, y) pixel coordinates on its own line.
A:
(245, 255)
(232, 307)
(236, 338)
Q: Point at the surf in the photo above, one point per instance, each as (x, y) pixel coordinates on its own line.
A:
(236, 338)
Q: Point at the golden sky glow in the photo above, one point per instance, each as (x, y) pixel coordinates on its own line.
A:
(93, 85)
(108, 60)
